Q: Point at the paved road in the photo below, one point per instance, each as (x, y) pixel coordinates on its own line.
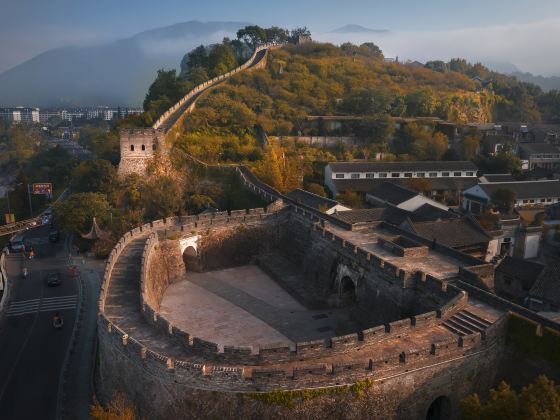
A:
(31, 350)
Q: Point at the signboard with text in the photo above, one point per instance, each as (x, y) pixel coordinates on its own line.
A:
(43, 188)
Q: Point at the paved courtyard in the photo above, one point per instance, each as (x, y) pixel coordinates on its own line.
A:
(243, 306)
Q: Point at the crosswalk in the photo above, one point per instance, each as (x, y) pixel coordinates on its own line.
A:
(52, 304)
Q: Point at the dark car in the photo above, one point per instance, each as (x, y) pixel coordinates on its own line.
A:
(54, 235)
(54, 279)
(16, 245)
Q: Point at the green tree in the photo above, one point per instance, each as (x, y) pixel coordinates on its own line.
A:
(316, 189)
(252, 35)
(504, 199)
(94, 176)
(471, 145)
(162, 197)
(351, 199)
(199, 202)
(220, 60)
(422, 102)
(77, 212)
(537, 401)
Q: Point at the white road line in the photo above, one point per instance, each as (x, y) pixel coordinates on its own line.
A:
(48, 304)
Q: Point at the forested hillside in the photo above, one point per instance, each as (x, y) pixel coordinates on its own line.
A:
(314, 79)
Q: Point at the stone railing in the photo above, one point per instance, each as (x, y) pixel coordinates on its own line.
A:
(263, 378)
(208, 84)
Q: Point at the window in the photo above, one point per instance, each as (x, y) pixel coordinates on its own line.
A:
(339, 176)
(457, 173)
(542, 200)
(548, 200)
(470, 173)
(395, 175)
(370, 175)
(132, 148)
(408, 174)
(433, 174)
(143, 147)
(154, 146)
(355, 176)
(445, 174)
(531, 201)
(420, 174)
(525, 201)
(382, 175)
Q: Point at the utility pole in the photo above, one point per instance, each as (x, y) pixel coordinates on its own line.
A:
(29, 197)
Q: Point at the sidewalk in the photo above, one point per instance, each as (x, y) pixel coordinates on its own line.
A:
(78, 384)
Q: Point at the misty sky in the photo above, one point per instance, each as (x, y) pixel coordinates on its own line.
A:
(525, 33)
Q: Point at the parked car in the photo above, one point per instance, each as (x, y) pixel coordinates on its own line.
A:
(54, 235)
(16, 245)
(54, 279)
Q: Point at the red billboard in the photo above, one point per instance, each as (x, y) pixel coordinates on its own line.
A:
(43, 188)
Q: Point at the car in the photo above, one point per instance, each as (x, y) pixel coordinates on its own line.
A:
(54, 235)
(16, 245)
(54, 279)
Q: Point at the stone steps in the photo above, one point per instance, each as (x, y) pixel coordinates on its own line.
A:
(465, 323)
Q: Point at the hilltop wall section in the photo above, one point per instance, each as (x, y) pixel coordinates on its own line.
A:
(138, 146)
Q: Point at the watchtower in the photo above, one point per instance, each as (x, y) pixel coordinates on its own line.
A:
(138, 147)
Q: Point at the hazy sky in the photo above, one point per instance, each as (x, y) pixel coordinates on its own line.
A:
(505, 30)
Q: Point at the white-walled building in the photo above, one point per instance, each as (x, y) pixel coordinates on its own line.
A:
(527, 194)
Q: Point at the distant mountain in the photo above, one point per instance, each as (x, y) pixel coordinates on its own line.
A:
(501, 66)
(546, 83)
(117, 73)
(356, 29)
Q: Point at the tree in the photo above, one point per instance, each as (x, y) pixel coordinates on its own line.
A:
(276, 34)
(199, 202)
(252, 35)
(162, 197)
(316, 189)
(539, 400)
(118, 409)
(296, 33)
(471, 145)
(504, 199)
(220, 60)
(94, 176)
(351, 199)
(77, 212)
(421, 103)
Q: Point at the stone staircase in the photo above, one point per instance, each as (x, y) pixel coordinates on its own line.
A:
(465, 322)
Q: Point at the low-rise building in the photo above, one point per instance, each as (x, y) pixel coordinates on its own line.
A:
(532, 284)
(527, 193)
(539, 155)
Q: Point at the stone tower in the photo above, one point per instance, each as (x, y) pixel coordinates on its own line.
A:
(138, 146)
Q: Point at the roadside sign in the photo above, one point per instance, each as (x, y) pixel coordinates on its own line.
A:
(10, 218)
(43, 188)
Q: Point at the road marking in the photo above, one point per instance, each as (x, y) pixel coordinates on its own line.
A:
(31, 306)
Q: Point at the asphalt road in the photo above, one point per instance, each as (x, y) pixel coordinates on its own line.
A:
(32, 352)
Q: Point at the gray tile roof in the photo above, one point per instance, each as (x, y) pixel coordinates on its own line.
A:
(547, 286)
(311, 200)
(525, 189)
(526, 271)
(455, 233)
(538, 148)
(393, 193)
(499, 177)
(412, 166)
